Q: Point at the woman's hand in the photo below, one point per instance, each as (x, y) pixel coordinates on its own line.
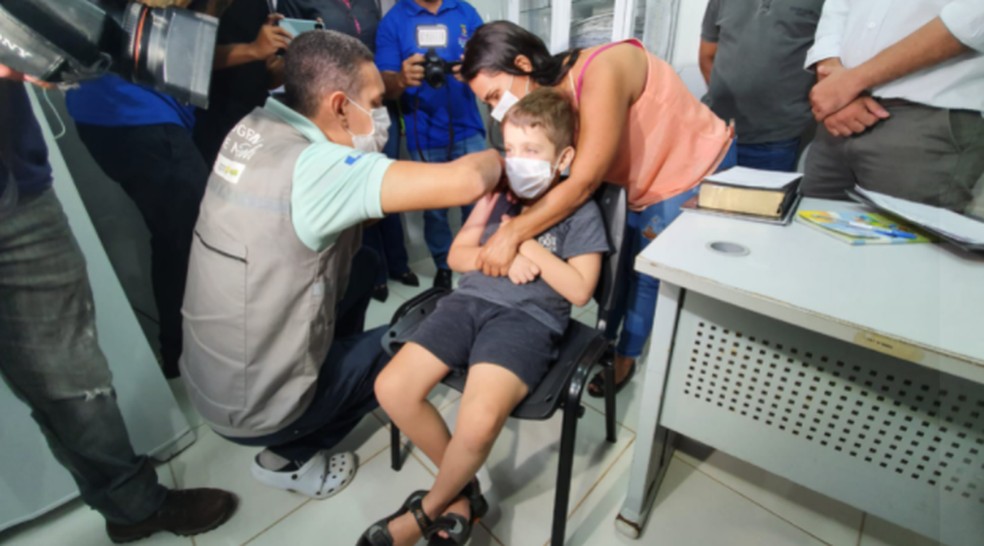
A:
(523, 270)
(499, 252)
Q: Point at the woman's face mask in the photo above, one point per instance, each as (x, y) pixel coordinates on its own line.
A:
(376, 139)
(528, 177)
(508, 100)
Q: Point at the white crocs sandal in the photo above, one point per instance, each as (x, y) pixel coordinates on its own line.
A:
(321, 477)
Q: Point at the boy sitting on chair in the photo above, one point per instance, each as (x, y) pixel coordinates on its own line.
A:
(503, 332)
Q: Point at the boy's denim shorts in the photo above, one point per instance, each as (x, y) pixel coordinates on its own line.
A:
(465, 330)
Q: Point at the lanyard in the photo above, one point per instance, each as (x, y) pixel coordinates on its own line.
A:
(358, 27)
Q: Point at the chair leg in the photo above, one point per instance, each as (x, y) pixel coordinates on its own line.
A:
(610, 411)
(396, 459)
(565, 468)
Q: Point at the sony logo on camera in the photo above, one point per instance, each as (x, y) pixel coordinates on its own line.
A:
(17, 49)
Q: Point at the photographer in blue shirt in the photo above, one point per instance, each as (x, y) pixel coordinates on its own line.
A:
(442, 121)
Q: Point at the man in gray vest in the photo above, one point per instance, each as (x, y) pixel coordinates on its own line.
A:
(278, 227)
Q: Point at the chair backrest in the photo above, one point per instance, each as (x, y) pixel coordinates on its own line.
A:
(612, 201)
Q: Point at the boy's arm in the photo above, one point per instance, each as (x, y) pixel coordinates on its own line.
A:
(574, 279)
(465, 247)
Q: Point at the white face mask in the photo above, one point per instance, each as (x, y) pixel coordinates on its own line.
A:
(507, 101)
(528, 177)
(376, 139)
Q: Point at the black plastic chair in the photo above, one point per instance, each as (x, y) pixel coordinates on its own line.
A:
(581, 349)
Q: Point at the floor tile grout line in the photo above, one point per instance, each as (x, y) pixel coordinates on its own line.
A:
(751, 500)
(480, 522)
(864, 521)
(601, 477)
(170, 470)
(306, 501)
(583, 499)
(174, 481)
(619, 423)
(277, 522)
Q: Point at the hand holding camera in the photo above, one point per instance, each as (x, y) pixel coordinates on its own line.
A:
(412, 71)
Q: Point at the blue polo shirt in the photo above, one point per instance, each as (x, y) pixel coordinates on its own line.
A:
(428, 117)
(111, 101)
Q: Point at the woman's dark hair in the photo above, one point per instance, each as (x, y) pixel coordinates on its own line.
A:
(495, 46)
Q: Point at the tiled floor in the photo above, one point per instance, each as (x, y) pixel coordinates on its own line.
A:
(707, 498)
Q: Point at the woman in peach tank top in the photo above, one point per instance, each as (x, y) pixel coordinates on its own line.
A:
(639, 127)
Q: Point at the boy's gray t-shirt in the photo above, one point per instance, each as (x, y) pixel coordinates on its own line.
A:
(580, 233)
(758, 78)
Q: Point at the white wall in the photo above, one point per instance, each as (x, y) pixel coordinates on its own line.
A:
(688, 32)
(490, 10)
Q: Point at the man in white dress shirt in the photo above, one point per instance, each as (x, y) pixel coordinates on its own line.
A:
(900, 95)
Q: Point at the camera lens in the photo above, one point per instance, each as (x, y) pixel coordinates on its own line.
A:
(435, 69)
(168, 50)
(434, 75)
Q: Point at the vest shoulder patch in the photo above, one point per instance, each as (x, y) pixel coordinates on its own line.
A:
(229, 170)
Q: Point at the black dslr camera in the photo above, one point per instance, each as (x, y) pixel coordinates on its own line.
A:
(436, 69)
(66, 41)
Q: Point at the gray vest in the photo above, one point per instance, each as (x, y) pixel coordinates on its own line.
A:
(259, 306)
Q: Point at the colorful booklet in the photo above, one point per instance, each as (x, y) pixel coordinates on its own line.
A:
(861, 228)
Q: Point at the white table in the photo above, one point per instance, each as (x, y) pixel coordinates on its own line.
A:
(855, 371)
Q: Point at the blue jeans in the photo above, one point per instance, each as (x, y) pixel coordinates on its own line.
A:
(771, 156)
(635, 310)
(50, 359)
(343, 396)
(385, 237)
(437, 232)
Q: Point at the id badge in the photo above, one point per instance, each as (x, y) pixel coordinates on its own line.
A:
(435, 36)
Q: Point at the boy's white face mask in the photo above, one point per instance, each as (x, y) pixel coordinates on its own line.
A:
(529, 177)
(507, 101)
(376, 139)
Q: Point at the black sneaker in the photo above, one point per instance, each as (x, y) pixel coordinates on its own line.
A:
(380, 293)
(408, 279)
(443, 279)
(185, 512)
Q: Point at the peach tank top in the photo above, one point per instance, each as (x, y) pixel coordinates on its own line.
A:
(671, 140)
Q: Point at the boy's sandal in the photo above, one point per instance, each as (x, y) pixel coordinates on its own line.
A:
(378, 533)
(473, 492)
(456, 526)
(596, 388)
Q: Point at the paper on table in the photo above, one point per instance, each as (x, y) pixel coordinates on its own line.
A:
(754, 178)
(943, 221)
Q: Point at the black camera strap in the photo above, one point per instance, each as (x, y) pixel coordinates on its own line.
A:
(416, 125)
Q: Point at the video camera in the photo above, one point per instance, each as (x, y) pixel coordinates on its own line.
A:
(66, 41)
(436, 69)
